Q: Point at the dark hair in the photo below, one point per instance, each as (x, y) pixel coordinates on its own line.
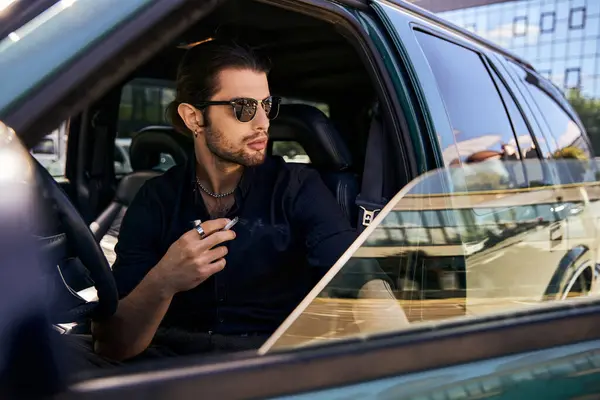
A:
(199, 68)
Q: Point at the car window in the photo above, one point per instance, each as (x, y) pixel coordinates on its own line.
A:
(291, 151)
(437, 254)
(480, 124)
(478, 106)
(51, 151)
(564, 137)
(122, 161)
(45, 146)
(144, 103)
(525, 146)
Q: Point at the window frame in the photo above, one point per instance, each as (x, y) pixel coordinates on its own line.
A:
(572, 12)
(542, 17)
(516, 20)
(567, 72)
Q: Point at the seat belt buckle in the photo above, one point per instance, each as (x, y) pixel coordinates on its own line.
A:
(368, 210)
(368, 215)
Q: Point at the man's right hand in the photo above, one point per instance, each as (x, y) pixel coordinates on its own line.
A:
(191, 260)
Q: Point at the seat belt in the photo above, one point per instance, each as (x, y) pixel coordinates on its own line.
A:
(370, 200)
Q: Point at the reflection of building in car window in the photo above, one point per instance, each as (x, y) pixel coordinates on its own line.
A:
(454, 254)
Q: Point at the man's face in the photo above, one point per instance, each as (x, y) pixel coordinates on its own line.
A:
(242, 143)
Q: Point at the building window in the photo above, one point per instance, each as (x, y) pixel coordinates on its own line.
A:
(577, 18)
(519, 26)
(547, 22)
(572, 78)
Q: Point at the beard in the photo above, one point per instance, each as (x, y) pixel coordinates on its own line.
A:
(225, 150)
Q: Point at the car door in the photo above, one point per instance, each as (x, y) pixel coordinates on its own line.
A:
(464, 90)
(335, 345)
(562, 137)
(343, 362)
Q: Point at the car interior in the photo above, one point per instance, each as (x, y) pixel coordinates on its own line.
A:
(337, 98)
(312, 64)
(332, 94)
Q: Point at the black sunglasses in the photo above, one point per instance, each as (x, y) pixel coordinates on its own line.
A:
(245, 108)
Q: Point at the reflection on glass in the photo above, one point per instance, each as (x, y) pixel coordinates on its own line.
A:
(472, 101)
(592, 8)
(449, 253)
(560, 31)
(592, 28)
(562, 10)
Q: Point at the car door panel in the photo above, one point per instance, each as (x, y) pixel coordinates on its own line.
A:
(566, 371)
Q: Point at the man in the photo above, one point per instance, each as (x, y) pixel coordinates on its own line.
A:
(194, 290)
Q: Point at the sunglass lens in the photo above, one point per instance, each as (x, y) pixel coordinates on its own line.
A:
(272, 107)
(245, 109)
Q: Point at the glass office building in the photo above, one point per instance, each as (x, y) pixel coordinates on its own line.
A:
(561, 38)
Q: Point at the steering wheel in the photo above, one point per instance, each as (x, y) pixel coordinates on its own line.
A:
(76, 240)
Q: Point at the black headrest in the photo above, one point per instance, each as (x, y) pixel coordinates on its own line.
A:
(315, 132)
(150, 142)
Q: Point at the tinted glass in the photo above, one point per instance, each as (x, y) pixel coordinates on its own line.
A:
(51, 151)
(524, 147)
(435, 253)
(144, 103)
(564, 137)
(46, 146)
(481, 126)
(291, 151)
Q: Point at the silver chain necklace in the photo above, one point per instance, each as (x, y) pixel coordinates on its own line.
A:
(213, 194)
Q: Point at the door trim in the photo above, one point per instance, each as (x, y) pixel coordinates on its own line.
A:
(353, 361)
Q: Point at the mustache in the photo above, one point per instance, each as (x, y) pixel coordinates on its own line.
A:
(257, 135)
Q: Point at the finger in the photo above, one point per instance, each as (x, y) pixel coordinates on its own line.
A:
(216, 239)
(216, 266)
(214, 225)
(212, 255)
(209, 228)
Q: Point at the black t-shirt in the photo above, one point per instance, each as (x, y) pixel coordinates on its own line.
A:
(291, 231)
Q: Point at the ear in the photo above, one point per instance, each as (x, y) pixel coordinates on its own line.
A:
(192, 117)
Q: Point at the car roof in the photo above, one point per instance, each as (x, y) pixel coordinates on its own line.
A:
(435, 19)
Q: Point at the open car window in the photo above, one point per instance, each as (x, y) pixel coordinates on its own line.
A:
(466, 241)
